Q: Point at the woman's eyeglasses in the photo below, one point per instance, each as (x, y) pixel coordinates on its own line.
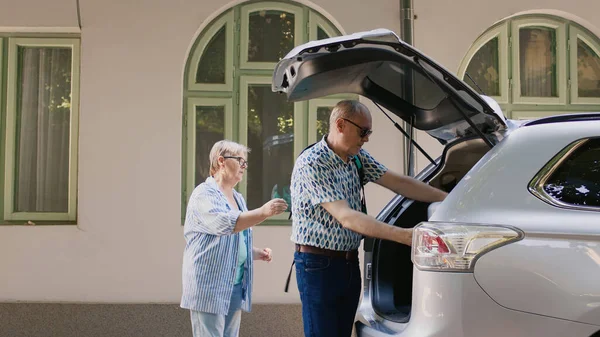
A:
(243, 162)
(364, 132)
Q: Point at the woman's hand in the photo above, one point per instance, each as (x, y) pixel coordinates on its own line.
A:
(274, 207)
(262, 254)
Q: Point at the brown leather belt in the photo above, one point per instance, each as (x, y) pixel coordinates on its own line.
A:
(348, 255)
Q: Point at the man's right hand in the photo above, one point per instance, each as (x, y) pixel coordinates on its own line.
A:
(273, 207)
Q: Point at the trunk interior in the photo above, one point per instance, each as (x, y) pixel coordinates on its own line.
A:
(392, 267)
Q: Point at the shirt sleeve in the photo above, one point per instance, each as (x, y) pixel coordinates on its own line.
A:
(207, 212)
(319, 185)
(372, 168)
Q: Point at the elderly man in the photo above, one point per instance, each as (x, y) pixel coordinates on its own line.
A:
(328, 223)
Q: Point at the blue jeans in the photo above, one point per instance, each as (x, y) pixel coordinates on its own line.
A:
(205, 324)
(329, 290)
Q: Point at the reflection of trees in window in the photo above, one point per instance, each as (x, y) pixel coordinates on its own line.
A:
(271, 138)
(484, 68)
(211, 68)
(588, 71)
(577, 180)
(537, 57)
(323, 114)
(271, 35)
(210, 128)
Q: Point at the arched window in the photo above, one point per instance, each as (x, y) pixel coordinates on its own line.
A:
(227, 95)
(536, 65)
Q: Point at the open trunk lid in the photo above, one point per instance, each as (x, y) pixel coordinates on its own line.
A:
(381, 67)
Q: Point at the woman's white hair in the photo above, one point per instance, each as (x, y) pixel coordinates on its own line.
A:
(225, 148)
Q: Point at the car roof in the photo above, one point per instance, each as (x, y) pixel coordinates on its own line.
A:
(577, 117)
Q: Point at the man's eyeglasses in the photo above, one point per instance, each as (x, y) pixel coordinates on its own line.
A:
(243, 162)
(364, 132)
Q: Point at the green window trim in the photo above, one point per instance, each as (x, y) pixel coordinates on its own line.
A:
(299, 127)
(502, 34)
(567, 33)
(561, 62)
(234, 95)
(190, 118)
(11, 132)
(528, 115)
(315, 22)
(245, 16)
(314, 105)
(576, 34)
(226, 20)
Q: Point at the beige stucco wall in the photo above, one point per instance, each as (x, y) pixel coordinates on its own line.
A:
(128, 243)
(36, 13)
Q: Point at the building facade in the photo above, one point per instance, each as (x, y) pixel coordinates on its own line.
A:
(109, 108)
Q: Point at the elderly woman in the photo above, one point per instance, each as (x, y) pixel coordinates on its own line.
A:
(217, 270)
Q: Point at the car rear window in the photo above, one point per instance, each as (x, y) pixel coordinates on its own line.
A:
(577, 180)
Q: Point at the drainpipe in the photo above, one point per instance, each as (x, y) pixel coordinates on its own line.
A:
(406, 34)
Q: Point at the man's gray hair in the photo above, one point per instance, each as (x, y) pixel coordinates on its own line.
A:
(346, 109)
(225, 148)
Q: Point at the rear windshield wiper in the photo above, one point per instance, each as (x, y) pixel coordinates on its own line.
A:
(409, 137)
(472, 80)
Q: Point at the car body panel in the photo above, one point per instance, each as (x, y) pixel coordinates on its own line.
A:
(543, 285)
(454, 305)
(555, 270)
(551, 275)
(495, 190)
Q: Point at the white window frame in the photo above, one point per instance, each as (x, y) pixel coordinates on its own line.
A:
(501, 33)
(245, 30)
(227, 21)
(192, 104)
(561, 62)
(11, 129)
(576, 34)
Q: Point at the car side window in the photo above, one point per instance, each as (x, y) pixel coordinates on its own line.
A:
(577, 180)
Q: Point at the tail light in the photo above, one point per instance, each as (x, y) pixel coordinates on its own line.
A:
(455, 247)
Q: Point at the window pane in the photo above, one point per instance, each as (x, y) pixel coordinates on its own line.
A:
(271, 139)
(323, 114)
(271, 35)
(210, 128)
(577, 180)
(537, 57)
(588, 71)
(484, 69)
(321, 34)
(211, 68)
(43, 130)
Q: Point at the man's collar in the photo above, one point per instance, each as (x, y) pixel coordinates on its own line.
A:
(330, 153)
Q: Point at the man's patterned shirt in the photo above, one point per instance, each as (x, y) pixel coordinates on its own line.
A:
(321, 176)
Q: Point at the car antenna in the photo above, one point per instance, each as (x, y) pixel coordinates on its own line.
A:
(469, 76)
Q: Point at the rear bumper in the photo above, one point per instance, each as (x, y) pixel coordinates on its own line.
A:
(454, 305)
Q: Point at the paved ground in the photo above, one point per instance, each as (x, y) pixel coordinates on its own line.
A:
(134, 320)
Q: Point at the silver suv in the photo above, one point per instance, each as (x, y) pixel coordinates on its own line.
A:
(515, 248)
